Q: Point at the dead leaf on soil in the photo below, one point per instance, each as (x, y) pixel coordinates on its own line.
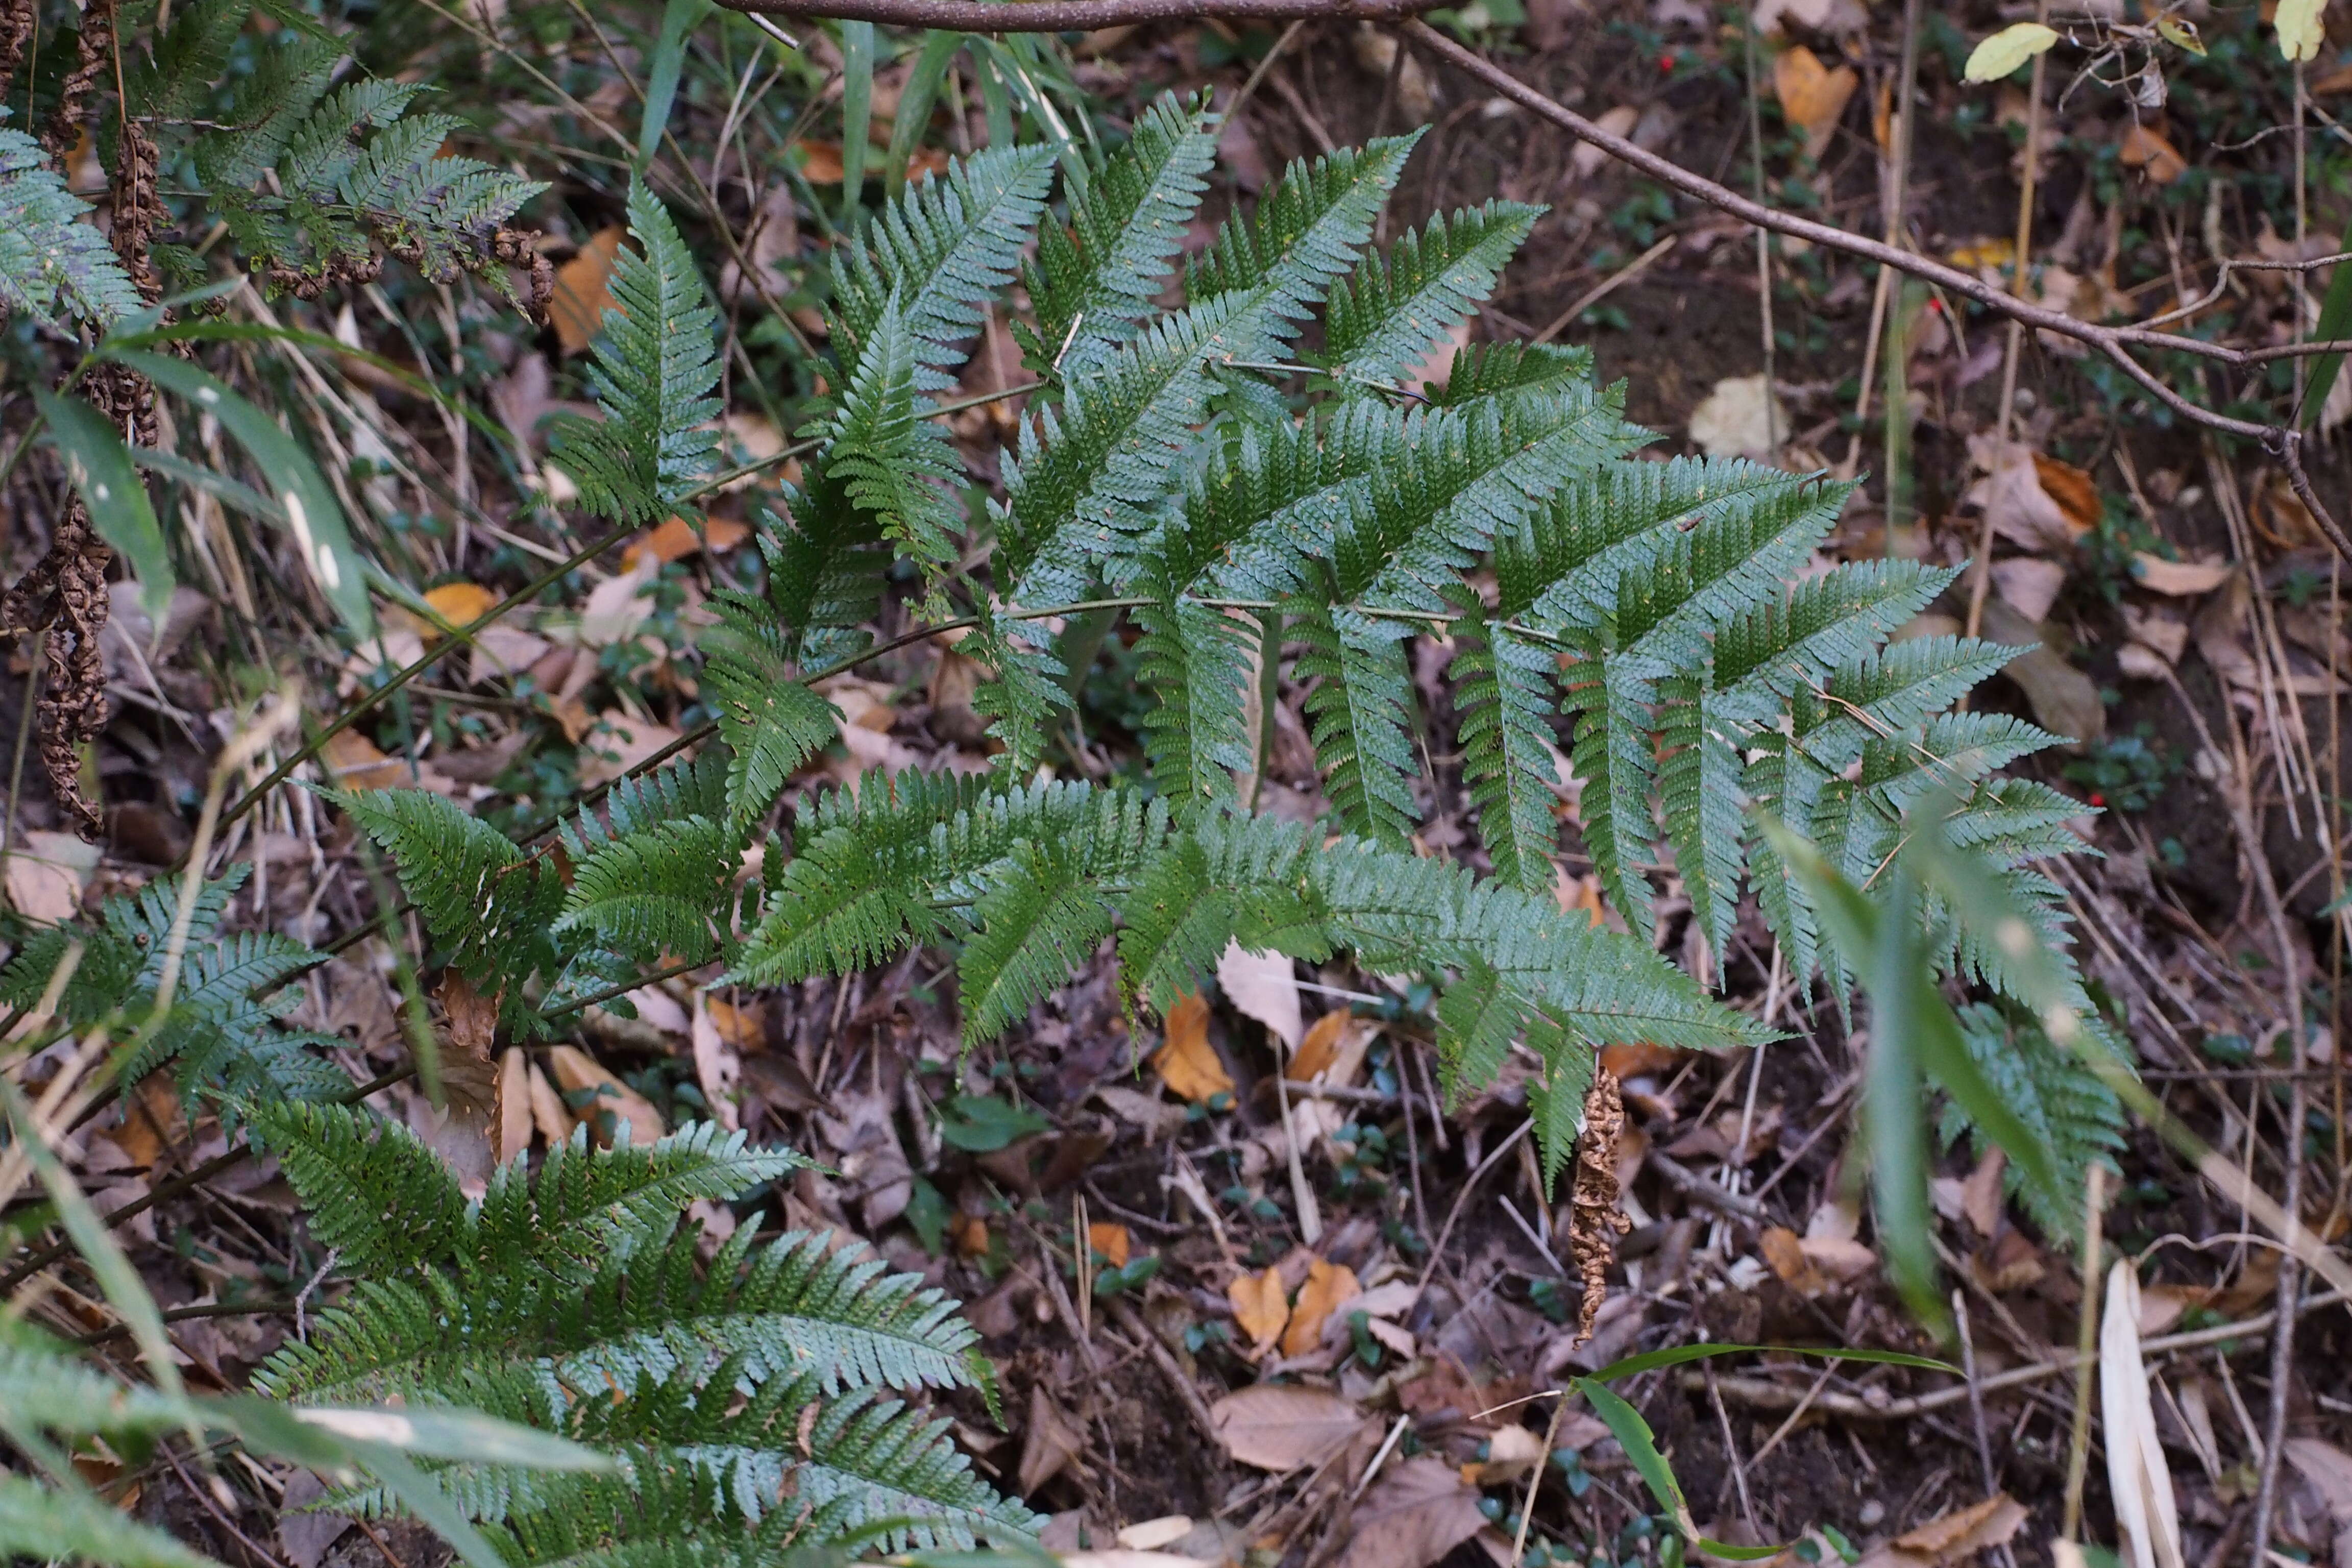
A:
(2029, 583)
(1151, 1535)
(1952, 1540)
(718, 1063)
(1260, 1306)
(47, 874)
(1586, 160)
(1415, 1514)
(1328, 1285)
(1261, 985)
(1784, 1251)
(1111, 1240)
(1051, 1443)
(1812, 95)
(620, 742)
(675, 540)
(1738, 418)
(2146, 148)
(2329, 1470)
(2015, 496)
(584, 290)
(1283, 1425)
(1185, 1060)
(602, 1101)
(2179, 578)
(1334, 1048)
(1980, 1194)
(459, 603)
(1154, 1115)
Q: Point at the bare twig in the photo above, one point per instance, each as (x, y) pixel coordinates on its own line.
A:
(1079, 15)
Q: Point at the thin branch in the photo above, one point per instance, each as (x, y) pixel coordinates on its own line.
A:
(2115, 344)
(1079, 15)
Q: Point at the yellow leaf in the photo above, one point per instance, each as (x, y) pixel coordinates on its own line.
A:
(1259, 1307)
(583, 291)
(1110, 1240)
(1328, 1285)
(2181, 33)
(1185, 1060)
(1811, 95)
(2007, 49)
(459, 603)
(1983, 253)
(2300, 33)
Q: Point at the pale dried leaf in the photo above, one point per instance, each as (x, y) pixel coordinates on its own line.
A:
(47, 874)
(1261, 985)
(1284, 1427)
(2141, 1484)
(1738, 418)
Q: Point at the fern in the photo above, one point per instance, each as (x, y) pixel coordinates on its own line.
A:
(1658, 625)
(485, 901)
(54, 266)
(573, 1299)
(655, 368)
(2075, 1115)
(1091, 284)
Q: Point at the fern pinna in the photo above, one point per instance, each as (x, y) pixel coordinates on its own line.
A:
(747, 1398)
(1254, 503)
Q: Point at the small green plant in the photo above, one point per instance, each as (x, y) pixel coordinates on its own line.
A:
(2128, 772)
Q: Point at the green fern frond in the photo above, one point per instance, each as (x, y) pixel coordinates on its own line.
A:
(485, 901)
(882, 450)
(825, 571)
(1306, 233)
(1503, 693)
(1387, 316)
(1358, 715)
(1092, 283)
(189, 59)
(942, 250)
(795, 1307)
(655, 368)
(1497, 370)
(651, 891)
(375, 1191)
(1196, 658)
(54, 266)
(2076, 1117)
(771, 721)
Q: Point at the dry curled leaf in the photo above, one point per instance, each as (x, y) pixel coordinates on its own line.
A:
(1260, 986)
(1328, 1285)
(2138, 1476)
(602, 1101)
(1333, 1050)
(1953, 1539)
(1185, 1060)
(2145, 148)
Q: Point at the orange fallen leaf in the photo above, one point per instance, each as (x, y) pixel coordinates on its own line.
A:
(1624, 1061)
(1259, 1307)
(1110, 1240)
(1812, 95)
(2076, 493)
(971, 1233)
(738, 1026)
(1334, 1049)
(822, 162)
(583, 288)
(675, 540)
(602, 1101)
(1328, 1285)
(2146, 148)
(1185, 1060)
(1786, 1254)
(459, 603)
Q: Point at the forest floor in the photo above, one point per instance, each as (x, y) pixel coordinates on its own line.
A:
(1268, 1300)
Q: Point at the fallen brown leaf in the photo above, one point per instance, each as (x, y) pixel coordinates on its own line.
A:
(1328, 1285)
(1052, 1443)
(1260, 1307)
(1111, 1241)
(1334, 1049)
(1283, 1425)
(602, 1101)
(1185, 1060)
(1812, 95)
(583, 289)
(47, 873)
(2179, 578)
(1419, 1512)
(1260, 986)
(2146, 148)
(1952, 1538)
(1784, 1251)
